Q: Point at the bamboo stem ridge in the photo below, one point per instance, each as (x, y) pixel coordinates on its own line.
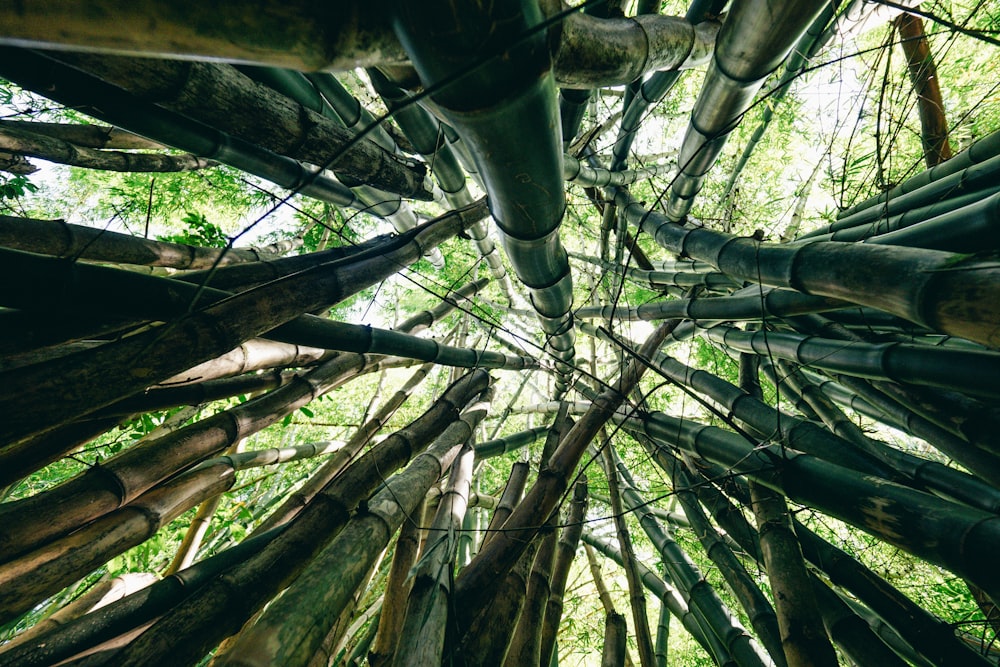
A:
(947, 293)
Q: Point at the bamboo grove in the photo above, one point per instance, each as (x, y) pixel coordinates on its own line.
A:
(611, 402)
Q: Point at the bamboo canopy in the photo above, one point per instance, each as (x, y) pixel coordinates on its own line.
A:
(487, 322)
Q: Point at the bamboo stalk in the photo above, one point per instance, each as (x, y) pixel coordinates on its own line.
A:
(637, 601)
(802, 635)
(422, 634)
(397, 588)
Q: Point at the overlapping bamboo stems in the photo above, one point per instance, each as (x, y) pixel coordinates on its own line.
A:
(299, 88)
(294, 130)
(925, 474)
(655, 88)
(929, 635)
(699, 595)
(902, 416)
(815, 38)
(637, 600)
(322, 476)
(750, 303)
(36, 71)
(427, 137)
(569, 539)
(102, 593)
(517, 479)
(125, 501)
(670, 596)
(932, 288)
(663, 279)
(22, 142)
(496, 557)
(770, 423)
(883, 509)
(422, 632)
(747, 592)
(221, 607)
(170, 299)
(949, 368)
(132, 611)
(525, 643)
(803, 637)
(748, 48)
(978, 177)
(980, 151)
(487, 638)
(302, 616)
(82, 380)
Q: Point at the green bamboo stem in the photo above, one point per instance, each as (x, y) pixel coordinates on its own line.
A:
(698, 593)
(948, 368)
(930, 635)
(422, 633)
(37, 71)
(293, 129)
(569, 539)
(509, 499)
(747, 592)
(637, 601)
(803, 636)
(670, 596)
(513, 95)
(849, 631)
(886, 510)
(510, 443)
(299, 499)
(124, 477)
(615, 634)
(63, 239)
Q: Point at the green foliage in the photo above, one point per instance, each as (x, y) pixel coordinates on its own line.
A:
(13, 187)
(198, 231)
